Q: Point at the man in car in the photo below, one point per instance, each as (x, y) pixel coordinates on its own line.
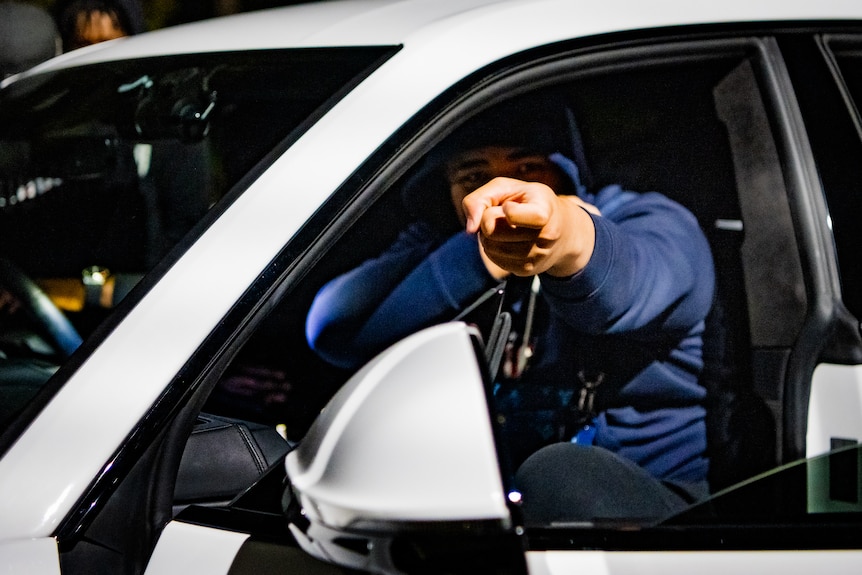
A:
(598, 399)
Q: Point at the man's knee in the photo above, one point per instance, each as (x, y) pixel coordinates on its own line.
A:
(564, 482)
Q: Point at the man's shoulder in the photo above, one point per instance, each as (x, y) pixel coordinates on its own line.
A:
(617, 203)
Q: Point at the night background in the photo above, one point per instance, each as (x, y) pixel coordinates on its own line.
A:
(162, 13)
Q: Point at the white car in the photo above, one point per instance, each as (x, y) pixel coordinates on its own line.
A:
(170, 203)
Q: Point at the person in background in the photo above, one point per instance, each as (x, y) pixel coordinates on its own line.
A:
(28, 37)
(85, 22)
(599, 398)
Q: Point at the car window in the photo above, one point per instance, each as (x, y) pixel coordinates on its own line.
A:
(822, 490)
(826, 76)
(844, 203)
(104, 169)
(691, 121)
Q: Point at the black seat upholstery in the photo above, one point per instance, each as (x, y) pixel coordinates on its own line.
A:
(223, 456)
(741, 431)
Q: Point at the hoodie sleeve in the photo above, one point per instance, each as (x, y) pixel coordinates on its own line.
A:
(651, 272)
(412, 285)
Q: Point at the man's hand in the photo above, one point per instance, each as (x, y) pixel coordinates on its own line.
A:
(526, 229)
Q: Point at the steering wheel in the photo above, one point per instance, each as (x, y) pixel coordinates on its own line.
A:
(49, 320)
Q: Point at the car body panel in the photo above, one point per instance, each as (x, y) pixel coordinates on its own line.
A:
(834, 407)
(32, 556)
(679, 562)
(375, 22)
(189, 549)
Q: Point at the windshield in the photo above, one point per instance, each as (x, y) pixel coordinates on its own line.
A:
(106, 168)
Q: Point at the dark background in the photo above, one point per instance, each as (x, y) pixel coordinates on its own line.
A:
(162, 13)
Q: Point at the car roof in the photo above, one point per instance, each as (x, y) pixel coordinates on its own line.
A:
(395, 22)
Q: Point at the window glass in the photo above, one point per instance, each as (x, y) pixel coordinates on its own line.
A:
(696, 129)
(827, 77)
(105, 168)
(657, 124)
(822, 491)
(846, 201)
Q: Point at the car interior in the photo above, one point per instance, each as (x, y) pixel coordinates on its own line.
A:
(640, 129)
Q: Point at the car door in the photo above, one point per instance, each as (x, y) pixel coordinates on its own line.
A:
(785, 281)
(721, 123)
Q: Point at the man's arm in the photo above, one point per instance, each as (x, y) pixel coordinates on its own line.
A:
(410, 286)
(645, 267)
(651, 272)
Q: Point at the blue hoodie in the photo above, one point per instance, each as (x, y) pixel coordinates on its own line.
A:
(635, 314)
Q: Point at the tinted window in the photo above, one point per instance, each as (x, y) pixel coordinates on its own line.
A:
(105, 168)
(696, 122)
(670, 120)
(827, 76)
(847, 201)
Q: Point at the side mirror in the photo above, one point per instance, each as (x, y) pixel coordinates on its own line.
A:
(401, 468)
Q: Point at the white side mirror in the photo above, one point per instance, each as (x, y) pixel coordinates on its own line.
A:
(406, 444)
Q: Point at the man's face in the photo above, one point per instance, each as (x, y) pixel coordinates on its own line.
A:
(94, 27)
(469, 170)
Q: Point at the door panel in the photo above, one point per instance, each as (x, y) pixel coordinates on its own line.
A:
(703, 563)
(33, 556)
(835, 410)
(187, 549)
